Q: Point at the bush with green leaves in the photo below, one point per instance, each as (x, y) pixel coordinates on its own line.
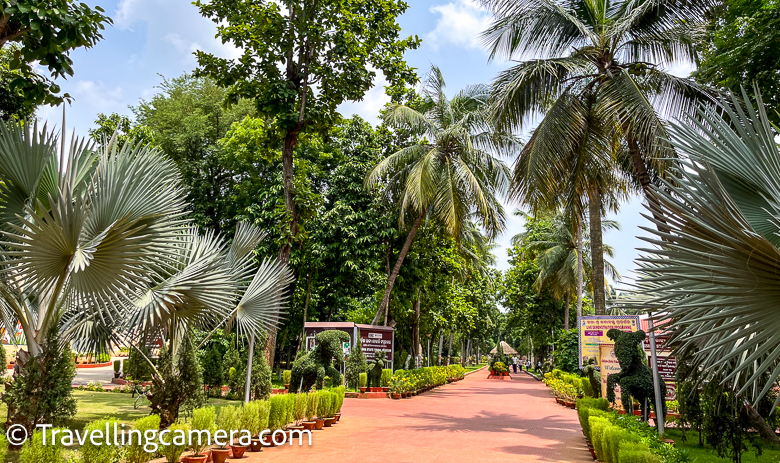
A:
(213, 370)
(499, 367)
(3, 445)
(260, 384)
(255, 416)
(325, 404)
(28, 403)
(229, 420)
(34, 450)
(135, 452)
(311, 368)
(203, 419)
(299, 410)
(286, 375)
(96, 452)
(175, 442)
(363, 379)
(340, 392)
(117, 366)
(312, 405)
(387, 374)
(277, 416)
(180, 383)
(356, 364)
(136, 367)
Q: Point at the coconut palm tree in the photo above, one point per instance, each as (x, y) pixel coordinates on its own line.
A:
(558, 257)
(451, 173)
(598, 76)
(97, 248)
(714, 275)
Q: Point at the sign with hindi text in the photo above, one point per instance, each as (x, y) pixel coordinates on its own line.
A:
(593, 332)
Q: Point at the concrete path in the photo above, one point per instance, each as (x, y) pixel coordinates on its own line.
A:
(474, 420)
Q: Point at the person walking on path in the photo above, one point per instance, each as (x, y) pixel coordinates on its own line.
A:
(514, 364)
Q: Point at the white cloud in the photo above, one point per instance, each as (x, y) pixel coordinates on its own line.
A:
(374, 100)
(98, 97)
(460, 24)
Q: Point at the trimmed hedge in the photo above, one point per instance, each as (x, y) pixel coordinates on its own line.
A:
(622, 438)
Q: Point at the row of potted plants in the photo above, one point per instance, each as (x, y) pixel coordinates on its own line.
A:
(566, 387)
(407, 383)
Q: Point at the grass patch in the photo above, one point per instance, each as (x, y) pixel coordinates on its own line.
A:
(476, 367)
(707, 454)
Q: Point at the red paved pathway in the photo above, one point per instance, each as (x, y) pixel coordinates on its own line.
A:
(474, 420)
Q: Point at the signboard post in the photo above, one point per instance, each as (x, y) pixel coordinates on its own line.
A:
(373, 338)
(593, 333)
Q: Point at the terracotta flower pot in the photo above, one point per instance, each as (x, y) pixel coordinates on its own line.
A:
(287, 386)
(256, 446)
(268, 441)
(385, 389)
(196, 458)
(329, 421)
(396, 396)
(362, 389)
(308, 425)
(319, 423)
(337, 416)
(219, 455)
(238, 450)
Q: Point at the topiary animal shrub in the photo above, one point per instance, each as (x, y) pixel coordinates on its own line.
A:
(375, 372)
(593, 378)
(635, 378)
(311, 368)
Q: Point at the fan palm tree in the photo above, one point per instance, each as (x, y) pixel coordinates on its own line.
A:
(452, 173)
(715, 273)
(97, 247)
(598, 75)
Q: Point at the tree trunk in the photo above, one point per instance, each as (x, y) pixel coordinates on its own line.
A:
(396, 269)
(449, 349)
(416, 327)
(640, 170)
(248, 383)
(441, 346)
(566, 311)
(759, 423)
(468, 353)
(597, 252)
(580, 271)
(288, 175)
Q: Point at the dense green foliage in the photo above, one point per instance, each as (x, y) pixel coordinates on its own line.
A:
(741, 49)
(180, 383)
(311, 368)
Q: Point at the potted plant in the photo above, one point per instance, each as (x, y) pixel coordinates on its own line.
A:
(256, 421)
(286, 375)
(311, 410)
(298, 410)
(323, 402)
(277, 417)
(117, 367)
(229, 419)
(203, 419)
(387, 374)
(172, 447)
(329, 410)
(363, 381)
(339, 392)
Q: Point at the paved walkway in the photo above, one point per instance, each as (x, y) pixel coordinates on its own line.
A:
(474, 420)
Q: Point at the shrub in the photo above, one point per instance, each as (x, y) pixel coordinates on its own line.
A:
(597, 427)
(289, 416)
(255, 416)
(340, 392)
(299, 413)
(587, 408)
(286, 375)
(363, 379)
(229, 419)
(213, 370)
(117, 366)
(136, 366)
(312, 405)
(356, 364)
(636, 452)
(91, 453)
(500, 367)
(42, 392)
(277, 415)
(614, 438)
(176, 444)
(203, 419)
(3, 442)
(34, 451)
(135, 452)
(260, 385)
(386, 375)
(324, 405)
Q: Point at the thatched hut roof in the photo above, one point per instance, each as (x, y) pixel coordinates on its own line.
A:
(507, 349)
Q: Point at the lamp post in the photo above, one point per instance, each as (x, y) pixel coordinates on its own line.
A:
(659, 396)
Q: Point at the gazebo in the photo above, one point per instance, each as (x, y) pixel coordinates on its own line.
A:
(507, 349)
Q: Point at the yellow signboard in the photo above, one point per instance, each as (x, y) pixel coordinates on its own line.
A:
(593, 332)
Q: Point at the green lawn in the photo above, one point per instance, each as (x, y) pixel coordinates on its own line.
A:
(476, 367)
(706, 454)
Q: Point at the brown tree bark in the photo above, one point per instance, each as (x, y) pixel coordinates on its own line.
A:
(396, 269)
(580, 271)
(759, 423)
(597, 252)
(566, 311)
(416, 328)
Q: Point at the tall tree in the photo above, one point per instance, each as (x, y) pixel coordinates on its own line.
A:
(451, 173)
(599, 78)
(301, 59)
(46, 31)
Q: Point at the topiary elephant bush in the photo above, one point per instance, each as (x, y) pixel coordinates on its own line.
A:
(635, 378)
(311, 368)
(375, 370)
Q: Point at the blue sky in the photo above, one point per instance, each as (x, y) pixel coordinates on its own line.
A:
(155, 38)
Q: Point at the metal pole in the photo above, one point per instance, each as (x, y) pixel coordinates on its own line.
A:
(249, 368)
(659, 398)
